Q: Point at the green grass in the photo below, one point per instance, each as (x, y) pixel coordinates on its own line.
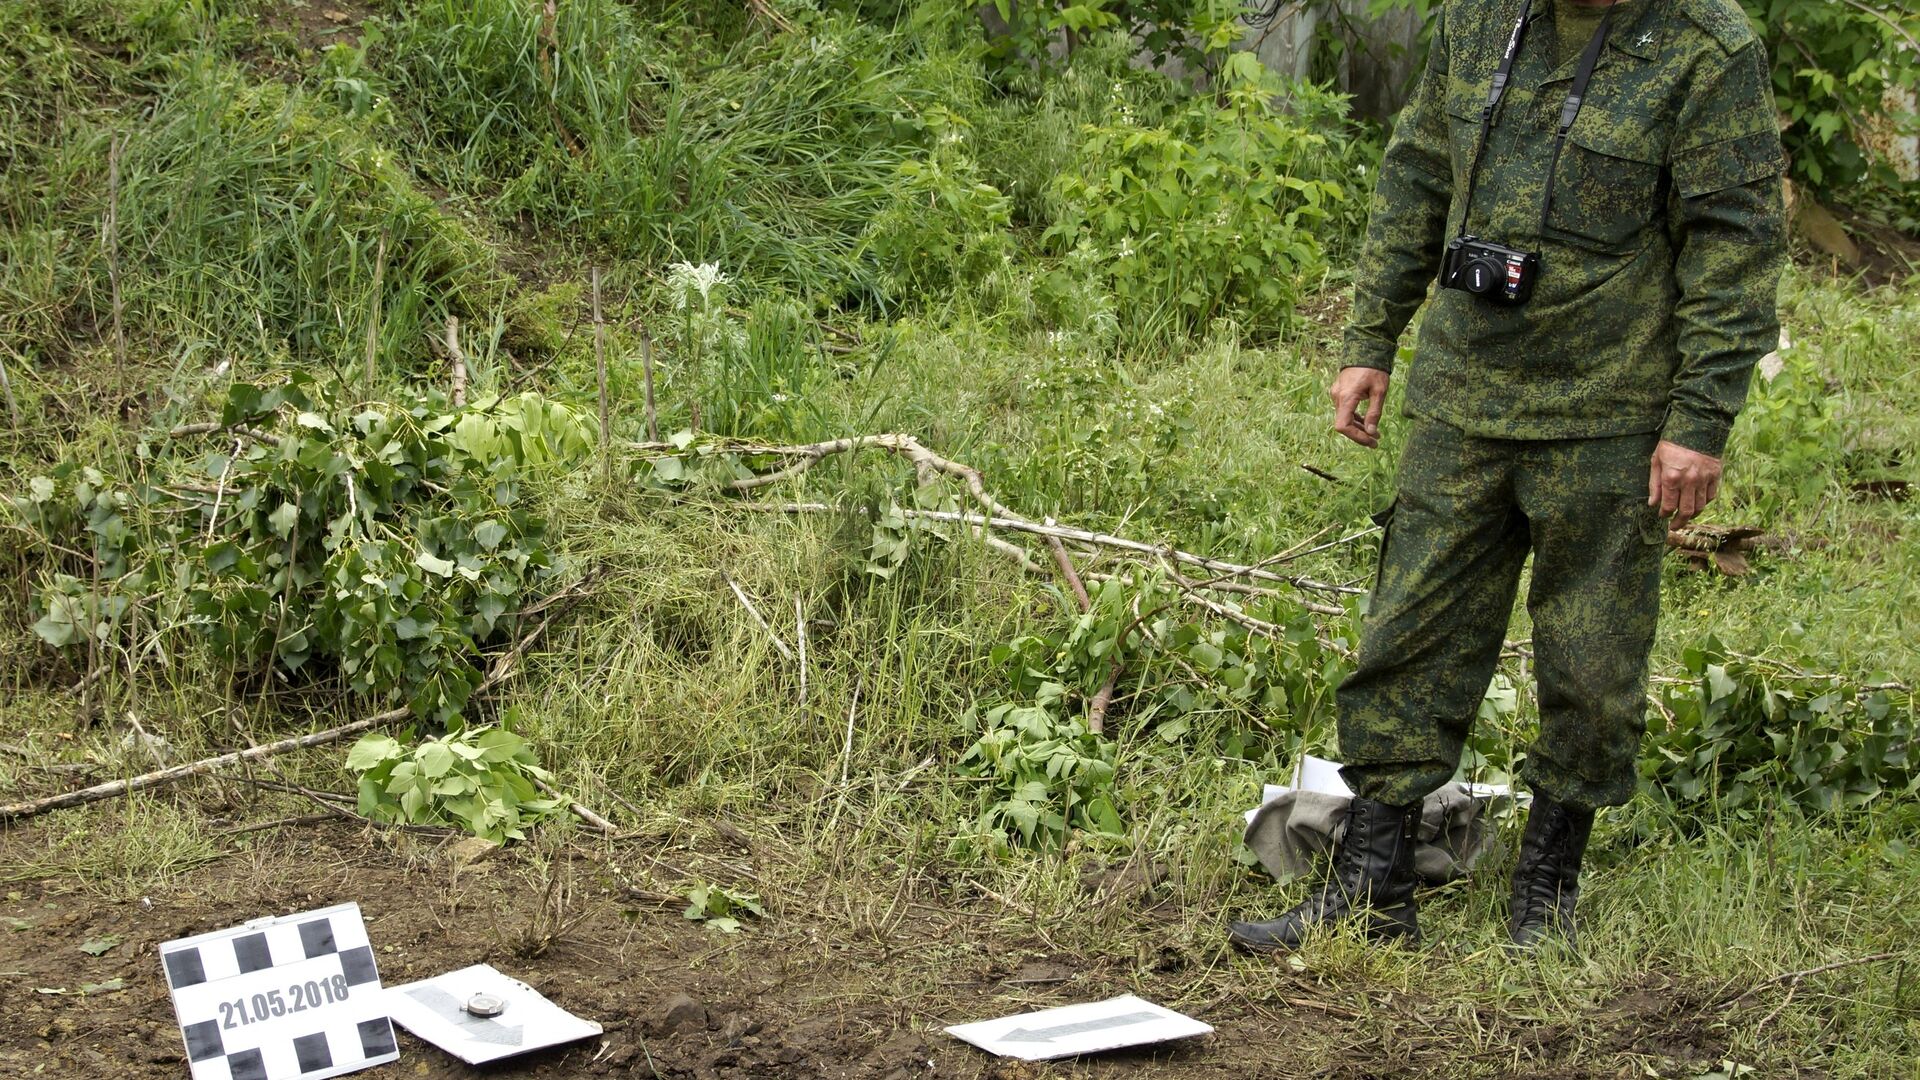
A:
(251, 206)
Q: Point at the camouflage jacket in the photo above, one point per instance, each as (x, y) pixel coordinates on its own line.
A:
(1662, 254)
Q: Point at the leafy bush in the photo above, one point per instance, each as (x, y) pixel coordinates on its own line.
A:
(1046, 776)
(388, 542)
(1737, 731)
(1216, 210)
(1794, 446)
(1833, 67)
(944, 228)
(720, 908)
(479, 779)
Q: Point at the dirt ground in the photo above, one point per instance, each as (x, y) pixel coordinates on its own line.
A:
(863, 996)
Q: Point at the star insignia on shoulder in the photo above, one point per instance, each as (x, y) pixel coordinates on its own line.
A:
(1646, 39)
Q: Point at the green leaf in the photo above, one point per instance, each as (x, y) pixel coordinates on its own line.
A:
(283, 519)
(100, 946)
(433, 564)
(435, 759)
(372, 750)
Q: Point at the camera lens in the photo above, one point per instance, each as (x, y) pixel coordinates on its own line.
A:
(1481, 275)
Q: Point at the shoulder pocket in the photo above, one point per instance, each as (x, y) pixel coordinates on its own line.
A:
(1703, 170)
(1608, 187)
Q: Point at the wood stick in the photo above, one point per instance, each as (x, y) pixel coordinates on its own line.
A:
(112, 240)
(1065, 563)
(1794, 977)
(258, 826)
(646, 374)
(185, 430)
(1102, 699)
(458, 360)
(115, 788)
(846, 751)
(220, 490)
(373, 309)
(600, 374)
(1103, 540)
(747, 603)
(800, 634)
(6, 388)
(999, 515)
(580, 811)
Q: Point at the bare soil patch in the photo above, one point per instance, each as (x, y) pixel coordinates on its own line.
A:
(791, 996)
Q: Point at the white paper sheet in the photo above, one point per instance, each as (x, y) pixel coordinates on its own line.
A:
(1079, 1029)
(435, 1010)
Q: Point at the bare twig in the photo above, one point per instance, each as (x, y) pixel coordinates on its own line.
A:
(111, 237)
(1792, 978)
(1065, 563)
(1103, 699)
(595, 821)
(800, 636)
(220, 488)
(374, 307)
(646, 377)
(1321, 473)
(6, 388)
(502, 668)
(458, 360)
(1894, 26)
(746, 602)
(260, 826)
(846, 751)
(549, 44)
(600, 373)
(185, 430)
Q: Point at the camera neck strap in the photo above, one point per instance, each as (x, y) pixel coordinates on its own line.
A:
(1569, 112)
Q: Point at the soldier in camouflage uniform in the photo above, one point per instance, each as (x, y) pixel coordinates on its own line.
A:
(1567, 427)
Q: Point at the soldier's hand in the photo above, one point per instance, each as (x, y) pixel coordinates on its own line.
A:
(1351, 388)
(1682, 481)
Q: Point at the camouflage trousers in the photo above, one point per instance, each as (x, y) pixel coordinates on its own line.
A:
(1467, 513)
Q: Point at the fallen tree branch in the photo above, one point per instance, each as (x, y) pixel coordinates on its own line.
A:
(1221, 566)
(924, 460)
(745, 602)
(458, 360)
(580, 810)
(1792, 978)
(1065, 563)
(255, 434)
(502, 669)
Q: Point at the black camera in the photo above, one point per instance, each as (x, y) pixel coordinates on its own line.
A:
(1497, 274)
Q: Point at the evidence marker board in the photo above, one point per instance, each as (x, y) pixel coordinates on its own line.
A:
(290, 998)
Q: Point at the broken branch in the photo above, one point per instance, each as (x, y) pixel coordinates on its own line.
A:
(115, 788)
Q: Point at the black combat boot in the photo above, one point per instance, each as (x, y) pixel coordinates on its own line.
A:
(1371, 880)
(1546, 881)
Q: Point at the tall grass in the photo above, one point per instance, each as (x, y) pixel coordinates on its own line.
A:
(250, 211)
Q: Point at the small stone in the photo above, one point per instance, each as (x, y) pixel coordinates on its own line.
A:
(682, 1013)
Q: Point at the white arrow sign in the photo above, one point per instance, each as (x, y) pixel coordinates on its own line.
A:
(436, 1010)
(1079, 1029)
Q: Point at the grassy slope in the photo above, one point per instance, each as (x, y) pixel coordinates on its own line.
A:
(691, 715)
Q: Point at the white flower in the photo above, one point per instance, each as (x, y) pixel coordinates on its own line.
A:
(686, 279)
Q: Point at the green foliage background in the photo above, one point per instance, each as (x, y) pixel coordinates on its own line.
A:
(1114, 293)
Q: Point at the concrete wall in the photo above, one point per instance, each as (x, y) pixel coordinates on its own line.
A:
(1380, 58)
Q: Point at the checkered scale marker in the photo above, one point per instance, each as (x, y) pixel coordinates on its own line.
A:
(292, 998)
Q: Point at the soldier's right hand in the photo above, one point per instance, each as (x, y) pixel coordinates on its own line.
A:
(1352, 388)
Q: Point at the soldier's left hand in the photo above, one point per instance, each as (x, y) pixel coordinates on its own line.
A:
(1682, 481)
